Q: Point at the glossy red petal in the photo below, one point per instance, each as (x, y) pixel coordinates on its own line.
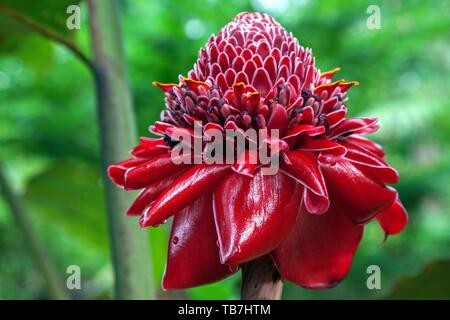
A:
(393, 219)
(384, 174)
(166, 87)
(149, 194)
(329, 74)
(305, 169)
(150, 148)
(336, 117)
(160, 128)
(330, 151)
(151, 171)
(354, 126)
(278, 118)
(189, 186)
(370, 163)
(261, 81)
(344, 86)
(328, 87)
(193, 256)
(305, 129)
(195, 85)
(254, 214)
(362, 155)
(360, 195)
(116, 172)
(318, 252)
(367, 144)
(246, 163)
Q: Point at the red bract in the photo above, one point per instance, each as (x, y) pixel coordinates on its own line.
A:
(310, 215)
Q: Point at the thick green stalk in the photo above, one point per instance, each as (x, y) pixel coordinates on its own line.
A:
(130, 250)
(52, 278)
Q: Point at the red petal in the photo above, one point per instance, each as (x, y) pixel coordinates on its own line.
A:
(366, 144)
(160, 128)
(371, 163)
(335, 117)
(278, 118)
(318, 252)
(261, 81)
(329, 74)
(328, 87)
(193, 256)
(195, 85)
(150, 148)
(354, 126)
(116, 172)
(393, 219)
(330, 151)
(149, 194)
(270, 65)
(166, 87)
(263, 49)
(221, 81)
(238, 63)
(360, 195)
(344, 86)
(249, 68)
(305, 169)
(247, 163)
(384, 174)
(189, 186)
(308, 115)
(151, 171)
(254, 214)
(305, 129)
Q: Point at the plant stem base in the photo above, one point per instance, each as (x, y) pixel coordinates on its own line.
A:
(261, 280)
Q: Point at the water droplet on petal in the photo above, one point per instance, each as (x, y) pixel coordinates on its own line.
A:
(175, 240)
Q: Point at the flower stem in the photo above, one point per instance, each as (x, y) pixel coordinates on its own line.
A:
(129, 244)
(261, 280)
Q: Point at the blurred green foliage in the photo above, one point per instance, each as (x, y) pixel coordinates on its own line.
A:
(49, 140)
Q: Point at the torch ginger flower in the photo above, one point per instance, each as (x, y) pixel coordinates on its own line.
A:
(309, 217)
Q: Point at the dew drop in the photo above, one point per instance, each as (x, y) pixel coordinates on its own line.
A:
(175, 240)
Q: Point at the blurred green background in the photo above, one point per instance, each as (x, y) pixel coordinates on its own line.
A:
(50, 149)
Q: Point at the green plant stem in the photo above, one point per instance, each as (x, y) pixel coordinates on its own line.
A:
(130, 249)
(37, 249)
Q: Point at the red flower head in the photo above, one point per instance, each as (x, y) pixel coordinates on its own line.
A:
(310, 215)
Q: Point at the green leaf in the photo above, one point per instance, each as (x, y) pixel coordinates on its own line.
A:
(70, 194)
(432, 283)
(49, 13)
